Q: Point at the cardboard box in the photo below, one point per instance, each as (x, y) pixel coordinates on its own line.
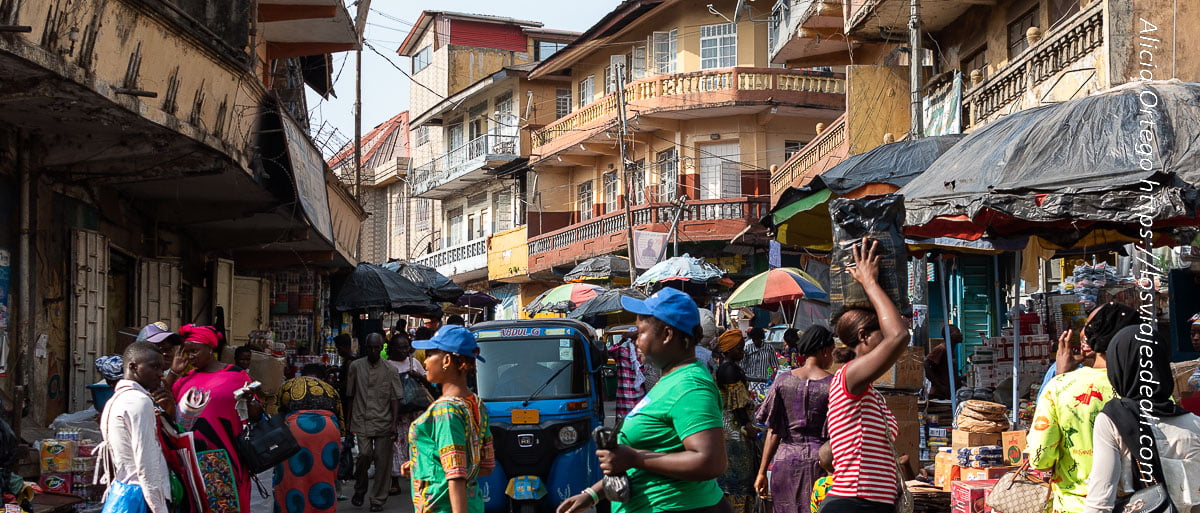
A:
(56, 482)
(945, 470)
(1014, 446)
(907, 374)
(983, 474)
(960, 439)
(970, 496)
(57, 455)
(904, 407)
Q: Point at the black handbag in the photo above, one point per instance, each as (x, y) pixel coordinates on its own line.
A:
(416, 397)
(345, 471)
(1151, 499)
(266, 443)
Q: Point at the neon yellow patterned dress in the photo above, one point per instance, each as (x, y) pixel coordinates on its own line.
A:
(450, 440)
(1060, 438)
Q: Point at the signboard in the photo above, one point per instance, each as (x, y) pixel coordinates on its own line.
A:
(347, 226)
(647, 246)
(774, 254)
(308, 171)
(943, 109)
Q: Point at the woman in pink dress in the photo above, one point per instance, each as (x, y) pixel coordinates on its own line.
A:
(206, 406)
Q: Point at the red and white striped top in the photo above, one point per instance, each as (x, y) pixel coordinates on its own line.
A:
(863, 461)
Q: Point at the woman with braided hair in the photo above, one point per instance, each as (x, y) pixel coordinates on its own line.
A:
(794, 413)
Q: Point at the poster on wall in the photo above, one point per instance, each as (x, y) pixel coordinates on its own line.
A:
(647, 247)
(943, 109)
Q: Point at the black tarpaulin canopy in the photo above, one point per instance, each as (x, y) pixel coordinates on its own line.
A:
(437, 286)
(603, 268)
(1062, 170)
(373, 287)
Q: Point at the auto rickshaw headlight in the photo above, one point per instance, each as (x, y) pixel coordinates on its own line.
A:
(568, 435)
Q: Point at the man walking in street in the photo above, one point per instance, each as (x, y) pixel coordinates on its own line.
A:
(374, 391)
(760, 363)
(135, 463)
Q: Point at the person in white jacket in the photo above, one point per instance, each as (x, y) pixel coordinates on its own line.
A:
(131, 453)
(1142, 412)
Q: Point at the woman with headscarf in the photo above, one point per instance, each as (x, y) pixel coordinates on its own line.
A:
(1060, 438)
(738, 419)
(794, 413)
(111, 369)
(206, 406)
(1139, 369)
(313, 410)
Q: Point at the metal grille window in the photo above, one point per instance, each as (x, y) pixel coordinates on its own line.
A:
(587, 89)
(637, 67)
(502, 205)
(562, 103)
(790, 148)
(668, 175)
(610, 80)
(422, 59)
(718, 46)
(1016, 32)
(454, 227)
(585, 200)
(720, 172)
(666, 50)
(424, 214)
(422, 135)
(637, 182)
(611, 191)
(977, 61)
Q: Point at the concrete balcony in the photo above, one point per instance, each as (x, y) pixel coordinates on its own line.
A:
(878, 19)
(455, 171)
(701, 94)
(802, 30)
(1057, 68)
(461, 262)
(829, 148)
(707, 220)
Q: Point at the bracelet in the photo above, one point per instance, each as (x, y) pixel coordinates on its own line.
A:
(592, 493)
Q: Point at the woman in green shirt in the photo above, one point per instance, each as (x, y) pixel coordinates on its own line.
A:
(672, 444)
(450, 444)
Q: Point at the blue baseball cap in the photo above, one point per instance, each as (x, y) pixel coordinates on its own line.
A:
(452, 339)
(668, 305)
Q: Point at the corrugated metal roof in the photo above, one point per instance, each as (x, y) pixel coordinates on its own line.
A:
(383, 143)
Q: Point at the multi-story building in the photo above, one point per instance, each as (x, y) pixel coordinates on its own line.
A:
(149, 152)
(386, 233)
(707, 117)
(471, 105)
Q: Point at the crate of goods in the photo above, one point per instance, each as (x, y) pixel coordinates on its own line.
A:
(965, 439)
(1014, 447)
(57, 456)
(945, 468)
(983, 456)
(983, 474)
(970, 496)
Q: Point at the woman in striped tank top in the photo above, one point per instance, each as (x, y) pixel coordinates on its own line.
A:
(865, 474)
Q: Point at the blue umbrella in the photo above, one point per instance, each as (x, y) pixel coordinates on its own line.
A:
(685, 268)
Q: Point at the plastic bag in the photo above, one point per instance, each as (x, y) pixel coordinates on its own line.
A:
(879, 218)
(124, 498)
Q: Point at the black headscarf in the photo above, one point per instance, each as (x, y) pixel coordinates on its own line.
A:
(1131, 373)
(814, 339)
(1111, 318)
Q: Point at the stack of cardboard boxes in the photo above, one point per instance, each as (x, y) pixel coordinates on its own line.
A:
(981, 452)
(900, 387)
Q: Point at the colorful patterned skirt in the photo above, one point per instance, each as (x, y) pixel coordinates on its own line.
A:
(305, 482)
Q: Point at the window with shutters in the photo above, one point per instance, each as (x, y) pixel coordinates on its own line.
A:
(587, 89)
(502, 205)
(454, 227)
(668, 175)
(720, 171)
(584, 201)
(424, 214)
(666, 51)
(562, 103)
(637, 63)
(610, 80)
(611, 191)
(637, 182)
(1016, 32)
(976, 61)
(718, 46)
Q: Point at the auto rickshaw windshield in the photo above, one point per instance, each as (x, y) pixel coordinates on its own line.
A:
(517, 368)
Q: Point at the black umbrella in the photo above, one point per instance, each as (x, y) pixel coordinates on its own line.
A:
(605, 268)
(606, 303)
(373, 287)
(476, 299)
(439, 287)
(1067, 167)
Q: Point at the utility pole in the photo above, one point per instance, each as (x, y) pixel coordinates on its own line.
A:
(360, 27)
(618, 66)
(916, 130)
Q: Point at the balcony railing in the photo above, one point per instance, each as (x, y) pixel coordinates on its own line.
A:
(1065, 45)
(724, 79)
(454, 254)
(462, 160)
(750, 209)
(809, 155)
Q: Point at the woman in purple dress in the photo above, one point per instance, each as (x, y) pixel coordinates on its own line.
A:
(794, 412)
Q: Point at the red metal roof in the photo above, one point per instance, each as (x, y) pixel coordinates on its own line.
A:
(388, 140)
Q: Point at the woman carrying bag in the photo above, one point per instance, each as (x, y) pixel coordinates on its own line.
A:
(1143, 406)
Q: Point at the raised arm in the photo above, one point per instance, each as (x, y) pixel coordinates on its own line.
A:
(868, 368)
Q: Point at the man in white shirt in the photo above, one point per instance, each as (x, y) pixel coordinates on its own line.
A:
(130, 428)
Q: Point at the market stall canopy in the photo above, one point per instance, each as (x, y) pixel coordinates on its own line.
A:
(801, 217)
(781, 285)
(682, 268)
(606, 303)
(476, 299)
(1062, 170)
(437, 286)
(563, 298)
(372, 287)
(604, 268)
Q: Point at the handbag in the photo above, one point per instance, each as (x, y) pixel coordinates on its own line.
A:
(416, 397)
(266, 443)
(1019, 492)
(904, 497)
(345, 471)
(124, 498)
(1151, 499)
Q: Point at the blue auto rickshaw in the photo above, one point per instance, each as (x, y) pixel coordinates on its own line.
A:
(541, 385)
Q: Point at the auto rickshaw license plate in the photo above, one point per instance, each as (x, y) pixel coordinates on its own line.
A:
(525, 417)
